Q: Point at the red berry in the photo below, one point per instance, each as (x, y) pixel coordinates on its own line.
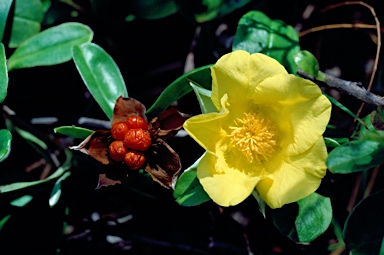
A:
(137, 139)
(135, 121)
(119, 130)
(117, 151)
(134, 159)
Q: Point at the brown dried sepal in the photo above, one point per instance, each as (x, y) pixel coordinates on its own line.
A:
(96, 145)
(163, 164)
(125, 107)
(167, 124)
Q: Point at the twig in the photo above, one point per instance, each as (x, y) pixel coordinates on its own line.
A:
(334, 26)
(352, 88)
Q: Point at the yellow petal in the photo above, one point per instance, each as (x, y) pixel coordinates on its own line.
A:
(294, 177)
(298, 108)
(226, 185)
(238, 73)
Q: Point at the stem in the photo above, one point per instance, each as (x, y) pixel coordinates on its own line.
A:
(352, 88)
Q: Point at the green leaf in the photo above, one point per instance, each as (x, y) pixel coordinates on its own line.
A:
(152, 9)
(76, 132)
(180, 87)
(3, 74)
(377, 118)
(204, 97)
(56, 191)
(307, 62)
(331, 143)
(305, 220)
(59, 172)
(100, 74)
(26, 21)
(4, 220)
(207, 10)
(188, 190)
(31, 138)
(5, 143)
(256, 32)
(364, 227)
(5, 6)
(22, 201)
(355, 156)
(51, 46)
(314, 218)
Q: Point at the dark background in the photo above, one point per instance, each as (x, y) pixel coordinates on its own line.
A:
(151, 54)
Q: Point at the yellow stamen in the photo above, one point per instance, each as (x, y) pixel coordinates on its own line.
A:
(254, 136)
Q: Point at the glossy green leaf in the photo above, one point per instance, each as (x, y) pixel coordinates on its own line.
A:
(307, 62)
(26, 21)
(180, 87)
(204, 97)
(3, 74)
(56, 191)
(188, 190)
(256, 32)
(59, 172)
(152, 9)
(331, 143)
(305, 220)
(5, 143)
(355, 156)
(100, 74)
(5, 6)
(22, 201)
(364, 228)
(314, 218)
(51, 46)
(76, 132)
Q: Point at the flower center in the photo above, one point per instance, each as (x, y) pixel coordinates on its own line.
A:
(254, 136)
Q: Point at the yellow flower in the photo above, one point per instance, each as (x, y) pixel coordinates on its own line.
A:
(266, 135)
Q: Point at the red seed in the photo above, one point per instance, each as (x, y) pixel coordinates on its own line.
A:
(134, 159)
(137, 139)
(117, 151)
(119, 130)
(135, 121)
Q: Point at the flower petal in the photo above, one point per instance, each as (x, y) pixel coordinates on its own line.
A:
(225, 185)
(294, 177)
(208, 129)
(238, 73)
(298, 108)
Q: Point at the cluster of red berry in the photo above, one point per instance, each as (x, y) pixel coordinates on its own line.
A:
(131, 139)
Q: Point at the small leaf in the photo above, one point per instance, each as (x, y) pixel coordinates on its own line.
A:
(51, 46)
(314, 218)
(307, 62)
(331, 143)
(22, 201)
(5, 6)
(179, 88)
(364, 228)
(3, 74)
(5, 143)
(4, 220)
(31, 138)
(76, 132)
(56, 191)
(256, 32)
(377, 118)
(188, 190)
(204, 97)
(305, 220)
(100, 74)
(26, 21)
(355, 156)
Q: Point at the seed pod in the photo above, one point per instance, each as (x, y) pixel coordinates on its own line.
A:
(119, 130)
(137, 139)
(117, 151)
(135, 121)
(134, 159)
